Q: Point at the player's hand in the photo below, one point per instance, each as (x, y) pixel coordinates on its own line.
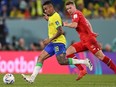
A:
(45, 16)
(46, 41)
(65, 23)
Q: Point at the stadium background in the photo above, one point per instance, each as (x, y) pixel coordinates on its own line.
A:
(26, 30)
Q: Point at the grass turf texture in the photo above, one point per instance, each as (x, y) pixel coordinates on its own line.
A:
(64, 81)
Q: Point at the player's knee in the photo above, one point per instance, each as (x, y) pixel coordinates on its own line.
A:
(61, 63)
(62, 60)
(100, 57)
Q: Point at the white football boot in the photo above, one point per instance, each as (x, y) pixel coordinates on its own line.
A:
(28, 78)
(89, 64)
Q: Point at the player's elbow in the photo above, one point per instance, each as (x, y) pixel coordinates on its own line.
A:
(73, 26)
(60, 32)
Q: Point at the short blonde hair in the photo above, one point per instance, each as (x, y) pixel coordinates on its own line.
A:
(69, 2)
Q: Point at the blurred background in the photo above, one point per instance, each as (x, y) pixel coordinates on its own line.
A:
(22, 27)
(23, 23)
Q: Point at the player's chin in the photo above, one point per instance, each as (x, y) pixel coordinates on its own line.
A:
(70, 13)
(48, 13)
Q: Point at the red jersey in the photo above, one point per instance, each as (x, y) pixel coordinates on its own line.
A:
(84, 28)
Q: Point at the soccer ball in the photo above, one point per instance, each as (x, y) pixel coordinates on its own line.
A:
(8, 78)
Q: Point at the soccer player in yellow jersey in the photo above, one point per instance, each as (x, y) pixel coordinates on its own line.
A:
(55, 44)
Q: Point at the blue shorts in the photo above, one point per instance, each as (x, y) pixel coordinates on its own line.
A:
(55, 48)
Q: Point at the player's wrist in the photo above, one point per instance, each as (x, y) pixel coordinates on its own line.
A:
(50, 39)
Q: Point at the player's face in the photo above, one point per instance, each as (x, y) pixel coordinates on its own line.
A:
(70, 9)
(47, 9)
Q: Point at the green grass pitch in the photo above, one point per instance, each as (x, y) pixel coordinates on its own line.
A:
(64, 81)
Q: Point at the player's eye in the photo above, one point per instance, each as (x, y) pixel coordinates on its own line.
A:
(68, 8)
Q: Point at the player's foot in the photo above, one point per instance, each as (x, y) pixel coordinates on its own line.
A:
(27, 78)
(81, 74)
(89, 64)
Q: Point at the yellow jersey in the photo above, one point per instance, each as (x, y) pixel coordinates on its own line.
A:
(53, 23)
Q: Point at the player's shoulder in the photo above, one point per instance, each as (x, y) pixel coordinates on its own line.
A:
(56, 14)
(77, 14)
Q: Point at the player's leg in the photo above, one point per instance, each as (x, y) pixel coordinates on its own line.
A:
(106, 60)
(70, 54)
(79, 66)
(62, 60)
(82, 71)
(61, 57)
(43, 56)
(94, 47)
(75, 48)
(46, 53)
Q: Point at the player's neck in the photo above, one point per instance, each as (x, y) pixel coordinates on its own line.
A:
(52, 13)
(75, 10)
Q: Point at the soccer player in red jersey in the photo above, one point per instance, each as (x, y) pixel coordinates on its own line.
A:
(87, 37)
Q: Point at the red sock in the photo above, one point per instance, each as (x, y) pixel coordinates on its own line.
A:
(110, 63)
(77, 65)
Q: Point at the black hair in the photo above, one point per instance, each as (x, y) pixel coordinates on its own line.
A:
(47, 3)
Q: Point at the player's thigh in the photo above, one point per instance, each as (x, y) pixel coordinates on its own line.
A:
(70, 50)
(75, 48)
(93, 45)
(47, 52)
(60, 51)
(59, 48)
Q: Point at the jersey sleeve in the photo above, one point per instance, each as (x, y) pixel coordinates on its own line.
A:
(57, 21)
(75, 18)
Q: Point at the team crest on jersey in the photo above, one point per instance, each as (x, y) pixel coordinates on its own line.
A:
(57, 23)
(75, 16)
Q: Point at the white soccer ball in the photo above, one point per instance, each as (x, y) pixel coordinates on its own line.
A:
(8, 78)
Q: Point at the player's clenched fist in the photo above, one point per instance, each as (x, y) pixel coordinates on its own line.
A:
(45, 16)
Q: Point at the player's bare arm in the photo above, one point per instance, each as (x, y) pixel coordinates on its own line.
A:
(71, 25)
(59, 32)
